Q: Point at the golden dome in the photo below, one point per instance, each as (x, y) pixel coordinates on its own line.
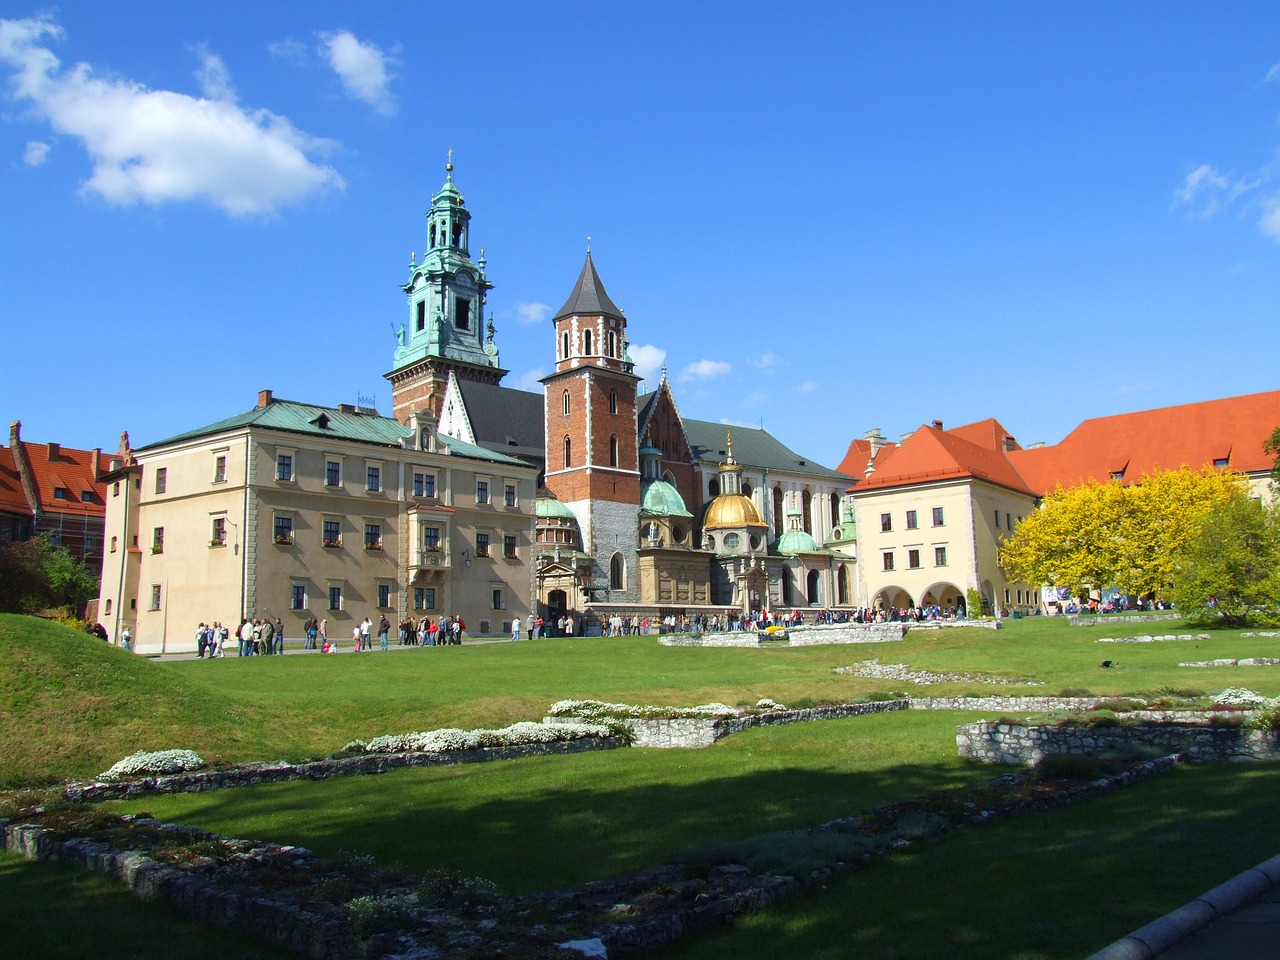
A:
(731, 510)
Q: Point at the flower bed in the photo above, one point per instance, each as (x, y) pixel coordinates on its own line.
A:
(451, 739)
(876, 670)
(142, 764)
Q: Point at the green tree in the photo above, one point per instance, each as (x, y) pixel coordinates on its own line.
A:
(1101, 534)
(1271, 447)
(35, 575)
(1229, 574)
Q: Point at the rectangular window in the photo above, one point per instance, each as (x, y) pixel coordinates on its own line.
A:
(911, 520)
(373, 536)
(218, 537)
(498, 603)
(886, 522)
(62, 493)
(462, 314)
(284, 530)
(155, 596)
(431, 538)
(997, 519)
(373, 479)
(482, 544)
(887, 559)
(424, 484)
(86, 496)
(1008, 521)
(157, 540)
(333, 533)
(509, 546)
(220, 469)
(333, 473)
(939, 556)
(284, 466)
(482, 491)
(162, 479)
(422, 314)
(298, 596)
(424, 598)
(510, 495)
(115, 489)
(937, 516)
(335, 597)
(913, 559)
(384, 595)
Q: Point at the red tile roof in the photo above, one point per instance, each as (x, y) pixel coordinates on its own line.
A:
(12, 499)
(67, 469)
(931, 454)
(855, 460)
(1135, 444)
(989, 433)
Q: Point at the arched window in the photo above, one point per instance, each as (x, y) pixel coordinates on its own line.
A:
(746, 489)
(616, 571)
(777, 512)
(842, 584)
(613, 401)
(586, 342)
(568, 453)
(612, 341)
(564, 345)
(566, 403)
(613, 450)
(713, 488)
(806, 503)
(834, 501)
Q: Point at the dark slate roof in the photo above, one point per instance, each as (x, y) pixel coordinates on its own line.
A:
(751, 448)
(589, 297)
(506, 420)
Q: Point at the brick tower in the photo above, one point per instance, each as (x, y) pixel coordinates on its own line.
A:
(592, 456)
(446, 330)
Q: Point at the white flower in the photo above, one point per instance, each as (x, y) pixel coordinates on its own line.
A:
(143, 763)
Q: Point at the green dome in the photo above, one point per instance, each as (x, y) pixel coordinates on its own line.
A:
(658, 498)
(551, 508)
(797, 541)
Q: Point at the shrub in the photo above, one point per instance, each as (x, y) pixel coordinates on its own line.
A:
(1268, 718)
(452, 888)
(143, 764)
(918, 824)
(1239, 697)
(1120, 704)
(371, 915)
(1226, 720)
(795, 853)
(1075, 692)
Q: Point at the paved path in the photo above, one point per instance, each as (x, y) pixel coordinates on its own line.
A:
(1237, 920)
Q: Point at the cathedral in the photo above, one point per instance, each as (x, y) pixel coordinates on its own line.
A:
(638, 508)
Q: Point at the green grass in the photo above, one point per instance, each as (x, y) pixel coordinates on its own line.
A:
(548, 822)
(1055, 886)
(70, 707)
(60, 912)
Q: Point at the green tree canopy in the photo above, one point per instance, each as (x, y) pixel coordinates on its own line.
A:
(35, 575)
(1102, 534)
(1230, 571)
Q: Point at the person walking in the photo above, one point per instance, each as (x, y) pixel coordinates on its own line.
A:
(366, 628)
(515, 629)
(384, 627)
(279, 636)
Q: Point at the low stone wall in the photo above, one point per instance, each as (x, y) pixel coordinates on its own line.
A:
(318, 930)
(811, 635)
(693, 732)
(364, 764)
(1018, 744)
(983, 623)
(1003, 704)
(1097, 619)
(736, 638)
(1247, 662)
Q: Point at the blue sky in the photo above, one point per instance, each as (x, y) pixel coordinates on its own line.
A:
(825, 217)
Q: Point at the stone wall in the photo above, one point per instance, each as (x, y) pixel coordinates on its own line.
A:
(811, 635)
(1018, 744)
(1097, 619)
(985, 623)
(368, 763)
(692, 732)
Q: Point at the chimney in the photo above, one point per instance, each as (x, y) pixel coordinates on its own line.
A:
(905, 437)
(937, 424)
(876, 439)
(346, 408)
(54, 451)
(15, 433)
(97, 462)
(264, 398)
(1010, 443)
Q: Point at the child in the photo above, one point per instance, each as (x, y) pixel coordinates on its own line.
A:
(355, 638)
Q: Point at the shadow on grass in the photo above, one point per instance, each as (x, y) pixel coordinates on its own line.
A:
(550, 822)
(1054, 886)
(64, 913)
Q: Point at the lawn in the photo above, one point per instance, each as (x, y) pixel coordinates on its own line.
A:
(72, 706)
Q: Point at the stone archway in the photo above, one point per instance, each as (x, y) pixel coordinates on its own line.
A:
(892, 598)
(947, 596)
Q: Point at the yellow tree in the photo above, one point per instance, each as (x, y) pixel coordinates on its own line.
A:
(1101, 534)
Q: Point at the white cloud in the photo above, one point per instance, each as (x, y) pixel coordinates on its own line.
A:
(35, 153)
(214, 77)
(648, 359)
(1273, 74)
(1270, 221)
(362, 67)
(1207, 191)
(704, 369)
(531, 313)
(766, 361)
(529, 380)
(807, 387)
(157, 146)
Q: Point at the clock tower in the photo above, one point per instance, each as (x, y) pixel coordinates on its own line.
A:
(445, 329)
